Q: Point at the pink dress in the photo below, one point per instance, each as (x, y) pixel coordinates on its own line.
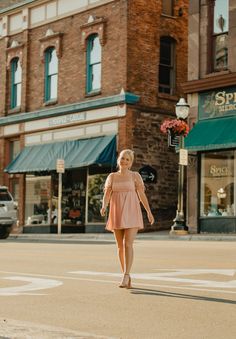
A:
(125, 209)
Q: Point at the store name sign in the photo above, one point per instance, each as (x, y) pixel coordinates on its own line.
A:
(223, 171)
(225, 101)
(66, 119)
(217, 103)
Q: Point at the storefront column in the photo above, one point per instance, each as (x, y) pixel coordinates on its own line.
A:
(192, 194)
(21, 202)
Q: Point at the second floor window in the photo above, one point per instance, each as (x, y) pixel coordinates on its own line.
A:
(51, 74)
(94, 56)
(167, 7)
(220, 34)
(167, 66)
(16, 79)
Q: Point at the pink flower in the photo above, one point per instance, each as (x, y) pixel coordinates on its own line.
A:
(175, 126)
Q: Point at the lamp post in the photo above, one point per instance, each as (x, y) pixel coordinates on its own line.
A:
(179, 226)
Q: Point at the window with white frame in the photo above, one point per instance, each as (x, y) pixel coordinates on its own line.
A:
(51, 74)
(16, 80)
(94, 56)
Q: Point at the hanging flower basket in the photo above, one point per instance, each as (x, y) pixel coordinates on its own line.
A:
(175, 127)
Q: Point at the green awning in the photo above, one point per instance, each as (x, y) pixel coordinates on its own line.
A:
(76, 153)
(212, 134)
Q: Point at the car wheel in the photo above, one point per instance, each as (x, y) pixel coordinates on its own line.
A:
(4, 232)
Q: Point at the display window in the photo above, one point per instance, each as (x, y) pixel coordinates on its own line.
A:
(37, 199)
(73, 197)
(94, 197)
(82, 194)
(218, 184)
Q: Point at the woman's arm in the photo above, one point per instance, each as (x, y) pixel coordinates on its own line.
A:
(143, 198)
(107, 194)
(105, 200)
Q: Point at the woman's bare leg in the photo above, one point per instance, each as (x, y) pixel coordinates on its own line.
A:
(129, 236)
(119, 236)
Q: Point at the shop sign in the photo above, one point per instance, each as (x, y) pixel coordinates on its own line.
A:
(148, 174)
(217, 103)
(66, 119)
(60, 166)
(222, 171)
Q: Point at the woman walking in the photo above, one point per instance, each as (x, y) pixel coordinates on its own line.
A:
(124, 190)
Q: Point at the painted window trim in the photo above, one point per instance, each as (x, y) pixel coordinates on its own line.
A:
(89, 66)
(14, 86)
(47, 76)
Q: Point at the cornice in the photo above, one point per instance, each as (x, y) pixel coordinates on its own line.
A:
(122, 98)
(210, 82)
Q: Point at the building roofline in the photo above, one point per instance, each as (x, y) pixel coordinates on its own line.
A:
(15, 6)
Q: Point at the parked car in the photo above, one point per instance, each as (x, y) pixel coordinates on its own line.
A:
(8, 212)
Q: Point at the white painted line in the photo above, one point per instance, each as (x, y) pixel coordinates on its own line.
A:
(34, 284)
(161, 286)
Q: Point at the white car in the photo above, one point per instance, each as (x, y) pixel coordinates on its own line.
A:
(8, 212)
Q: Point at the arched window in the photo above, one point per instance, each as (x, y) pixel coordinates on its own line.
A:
(167, 66)
(16, 79)
(220, 20)
(51, 74)
(94, 56)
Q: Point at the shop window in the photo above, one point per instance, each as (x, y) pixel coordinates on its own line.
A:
(167, 7)
(167, 66)
(16, 78)
(51, 74)
(220, 23)
(217, 184)
(94, 197)
(37, 200)
(94, 54)
(73, 197)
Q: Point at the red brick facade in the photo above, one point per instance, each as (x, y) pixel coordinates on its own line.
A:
(130, 37)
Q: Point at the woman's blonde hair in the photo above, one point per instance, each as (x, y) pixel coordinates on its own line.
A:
(129, 152)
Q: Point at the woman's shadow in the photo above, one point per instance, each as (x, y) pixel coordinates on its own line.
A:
(151, 292)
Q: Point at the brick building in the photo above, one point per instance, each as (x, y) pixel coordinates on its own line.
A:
(212, 96)
(96, 76)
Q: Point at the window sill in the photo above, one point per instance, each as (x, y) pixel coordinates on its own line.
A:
(215, 73)
(168, 16)
(92, 94)
(50, 102)
(14, 110)
(168, 96)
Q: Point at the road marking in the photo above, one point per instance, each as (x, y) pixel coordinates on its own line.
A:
(34, 284)
(141, 284)
(173, 276)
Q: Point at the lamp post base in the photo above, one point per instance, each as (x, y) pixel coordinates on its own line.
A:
(179, 228)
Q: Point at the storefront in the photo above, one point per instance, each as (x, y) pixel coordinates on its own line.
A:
(87, 164)
(213, 142)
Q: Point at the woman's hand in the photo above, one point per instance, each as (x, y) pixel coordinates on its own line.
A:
(150, 217)
(103, 211)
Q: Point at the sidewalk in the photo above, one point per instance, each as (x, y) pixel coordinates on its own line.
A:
(109, 238)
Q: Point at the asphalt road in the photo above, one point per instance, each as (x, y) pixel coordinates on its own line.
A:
(181, 290)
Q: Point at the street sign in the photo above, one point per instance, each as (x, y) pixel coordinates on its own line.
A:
(60, 166)
(183, 157)
(148, 174)
(173, 140)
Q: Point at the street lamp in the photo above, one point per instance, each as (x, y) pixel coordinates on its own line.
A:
(179, 227)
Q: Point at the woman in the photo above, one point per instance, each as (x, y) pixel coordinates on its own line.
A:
(124, 190)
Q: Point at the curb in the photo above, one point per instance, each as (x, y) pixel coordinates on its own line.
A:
(107, 238)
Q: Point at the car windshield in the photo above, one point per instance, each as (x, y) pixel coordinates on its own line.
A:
(5, 196)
